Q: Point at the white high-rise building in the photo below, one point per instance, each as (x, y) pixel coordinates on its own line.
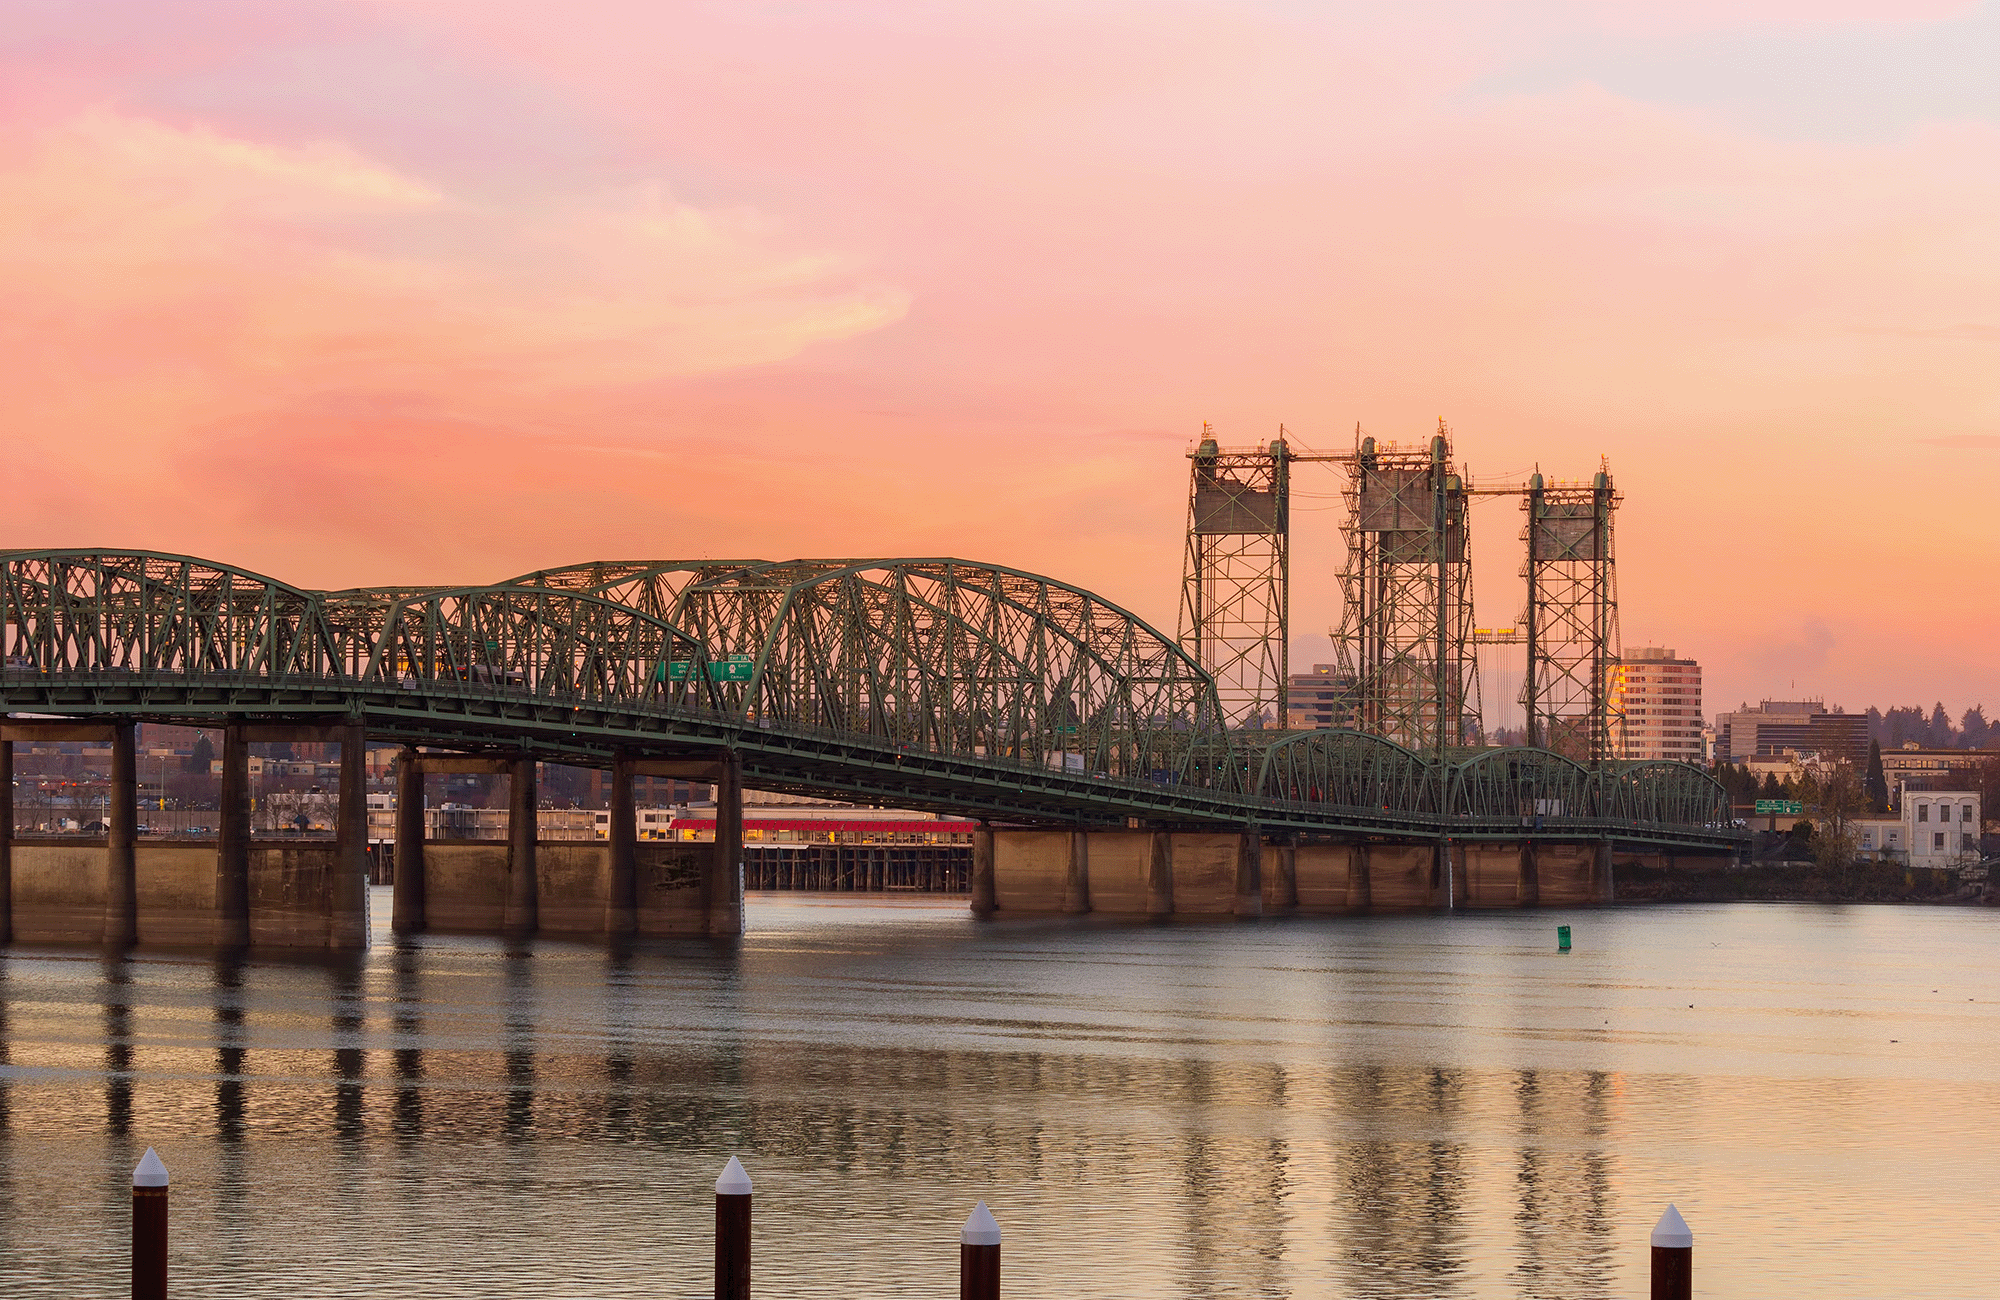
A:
(1656, 706)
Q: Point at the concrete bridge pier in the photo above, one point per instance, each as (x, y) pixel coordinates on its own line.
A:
(350, 874)
(407, 909)
(1250, 873)
(1076, 880)
(984, 898)
(1160, 874)
(6, 840)
(523, 915)
(1281, 874)
(121, 825)
(621, 904)
(725, 879)
(232, 841)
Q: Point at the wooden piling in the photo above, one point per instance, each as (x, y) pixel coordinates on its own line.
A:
(1673, 1258)
(149, 1229)
(979, 1256)
(732, 1233)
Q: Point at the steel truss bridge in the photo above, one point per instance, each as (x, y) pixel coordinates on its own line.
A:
(924, 683)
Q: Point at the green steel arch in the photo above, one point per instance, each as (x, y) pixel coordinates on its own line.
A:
(521, 641)
(140, 612)
(1668, 792)
(1519, 786)
(1351, 769)
(965, 659)
(653, 587)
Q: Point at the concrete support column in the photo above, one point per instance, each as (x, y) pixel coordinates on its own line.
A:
(1250, 873)
(407, 912)
(1443, 882)
(984, 900)
(621, 905)
(1531, 876)
(121, 894)
(6, 841)
(348, 925)
(1288, 873)
(1606, 888)
(523, 893)
(232, 842)
(725, 889)
(1361, 883)
(1160, 875)
(1076, 880)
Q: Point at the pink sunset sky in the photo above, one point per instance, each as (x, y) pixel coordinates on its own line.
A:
(376, 292)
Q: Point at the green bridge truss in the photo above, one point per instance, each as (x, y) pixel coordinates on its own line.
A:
(927, 683)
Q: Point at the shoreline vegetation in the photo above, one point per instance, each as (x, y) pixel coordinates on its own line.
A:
(1804, 882)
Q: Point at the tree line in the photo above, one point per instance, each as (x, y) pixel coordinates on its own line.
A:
(1933, 729)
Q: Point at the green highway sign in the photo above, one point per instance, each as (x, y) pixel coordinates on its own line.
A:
(737, 668)
(1779, 807)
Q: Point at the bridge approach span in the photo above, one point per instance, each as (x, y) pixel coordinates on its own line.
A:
(933, 683)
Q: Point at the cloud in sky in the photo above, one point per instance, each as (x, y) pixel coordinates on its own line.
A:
(393, 291)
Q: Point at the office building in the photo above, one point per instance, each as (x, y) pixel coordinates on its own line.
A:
(1656, 706)
(1801, 727)
(1319, 699)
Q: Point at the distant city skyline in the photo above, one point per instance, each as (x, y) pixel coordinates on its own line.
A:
(378, 293)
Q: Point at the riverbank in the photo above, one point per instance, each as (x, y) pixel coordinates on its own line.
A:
(1800, 882)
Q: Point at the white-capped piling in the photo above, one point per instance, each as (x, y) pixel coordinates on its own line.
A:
(1673, 1257)
(149, 1229)
(979, 1256)
(732, 1233)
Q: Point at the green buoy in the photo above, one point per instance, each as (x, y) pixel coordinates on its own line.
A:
(1562, 938)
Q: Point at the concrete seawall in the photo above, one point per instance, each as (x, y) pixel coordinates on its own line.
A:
(1137, 872)
(60, 892)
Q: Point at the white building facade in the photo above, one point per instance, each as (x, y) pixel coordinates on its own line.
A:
(1936, 828)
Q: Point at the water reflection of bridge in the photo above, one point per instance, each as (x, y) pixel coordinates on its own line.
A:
(1091, 748)
(1245, 1160)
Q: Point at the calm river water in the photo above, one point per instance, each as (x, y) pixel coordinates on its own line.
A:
(1413, 1106)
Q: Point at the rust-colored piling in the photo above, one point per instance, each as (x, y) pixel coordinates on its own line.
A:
(1673, 1258)
(149, 1229)
(732, 1233)
(979, 1256)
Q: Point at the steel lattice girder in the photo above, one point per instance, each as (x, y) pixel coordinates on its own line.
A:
(1571, 614)
(1353, 769)
(960, 658)
(930, 682)
(1405, 639)
(1235, 618)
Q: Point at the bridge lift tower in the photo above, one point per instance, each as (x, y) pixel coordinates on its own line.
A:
(1235, 617)
(1571, 620)
(1406, 636)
